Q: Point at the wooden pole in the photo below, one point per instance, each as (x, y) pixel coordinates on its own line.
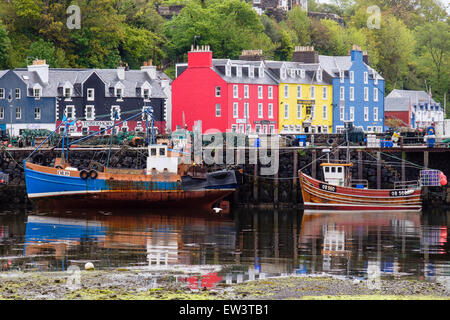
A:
(295, 177)
(378, 170)
(403, 166)
(275, 189)
(255, 177)
(313, 164)
(360, 165)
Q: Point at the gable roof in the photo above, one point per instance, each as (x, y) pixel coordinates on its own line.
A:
(310, 70)
(415, 96)
(396, 104)
(334, 64)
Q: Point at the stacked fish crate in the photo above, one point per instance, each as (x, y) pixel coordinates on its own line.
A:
(372, 141)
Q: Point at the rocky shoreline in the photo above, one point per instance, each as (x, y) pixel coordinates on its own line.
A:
(124, 284)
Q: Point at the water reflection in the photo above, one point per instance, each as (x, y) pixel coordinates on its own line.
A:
(245, 245)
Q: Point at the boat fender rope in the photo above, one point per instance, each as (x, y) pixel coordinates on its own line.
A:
(84, 174)
(93, 174)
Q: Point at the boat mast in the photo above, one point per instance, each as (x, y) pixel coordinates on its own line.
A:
(110, 138)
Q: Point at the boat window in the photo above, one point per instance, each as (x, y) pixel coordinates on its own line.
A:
(162, 152)
(339, 169)
(153, 151)
(333, 169)
(327, 169)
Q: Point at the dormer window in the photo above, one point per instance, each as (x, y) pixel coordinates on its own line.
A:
(319, 75)
(239, 71)
(292, 73)
(341, 76)
(228, 70)
(146, 93)
(352, 77)
(67, 93)
(90, 94)
(302, 74)
(37, 93)
(18, 94)
(119, 93)
(251, 72)
(283, 73)
(261, 72)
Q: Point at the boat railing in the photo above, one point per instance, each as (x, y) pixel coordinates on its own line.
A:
(357, 183)
(406, 184)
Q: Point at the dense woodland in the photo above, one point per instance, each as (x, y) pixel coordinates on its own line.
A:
(410, 49)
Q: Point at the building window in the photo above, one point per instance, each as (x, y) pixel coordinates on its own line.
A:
(352, 93)
(234, 128)
(270, 93)
(235, 110)
(2, 93)
(90, 94)
(228, 70)
(260, 110)
(375, 94)
(90, 113)
(260, 92)
(251, 72)
(366, 113)
(341, 113)
(286, 91)
(283, 73)
(37, 113)
(342, 93)
(241, 128)
(2, 113)
(115, 110)
(246, 92)
(313, 114)
(271, 128)
(246, 110)
(352, 114)
(299, 111)
(270, 111)
(18, 94)
(238, 71)
(375, 114)
(325, 93)
(341, 76)
(352, 77)
(319, 75)
(218, 111)
(299, 92)
(302, 73)
(67, 93)
(286, 111)
(146, 94)
(37, 93)
(70, 112)
(261, 72)
(366, 77)
(248, 128)
(18, 113)
(264, 128)
(258, 128)
(366, 94)
(217, 91)
(375, 81)
(119, 93)
(235, 91)
(325, 129)
(325, 112)
(313, 92)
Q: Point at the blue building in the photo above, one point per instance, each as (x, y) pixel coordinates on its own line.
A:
(26, 99)
(358, 91)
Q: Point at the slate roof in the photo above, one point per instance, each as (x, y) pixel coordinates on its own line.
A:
(333, 64)
(219, 66)
(58, 77)
(416, 97)
(396, 104)
(311, 69)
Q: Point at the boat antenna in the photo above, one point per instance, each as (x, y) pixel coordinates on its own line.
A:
(115, 115)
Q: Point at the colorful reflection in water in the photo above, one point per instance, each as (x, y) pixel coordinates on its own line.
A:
(246, 244)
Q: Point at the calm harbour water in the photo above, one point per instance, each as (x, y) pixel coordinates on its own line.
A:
(246, 241)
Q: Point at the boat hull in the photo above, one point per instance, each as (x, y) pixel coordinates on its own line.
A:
(53, 188)
(318, 195)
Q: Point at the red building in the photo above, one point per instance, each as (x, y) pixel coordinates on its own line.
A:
(226, 95)
(398, 109)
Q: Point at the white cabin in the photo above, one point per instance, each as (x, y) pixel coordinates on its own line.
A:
(159, 160)
(335, 173)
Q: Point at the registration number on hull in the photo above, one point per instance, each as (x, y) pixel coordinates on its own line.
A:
(327, 187)
(400, 193)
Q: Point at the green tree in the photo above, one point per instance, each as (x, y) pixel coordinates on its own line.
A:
(5, 44)
(297, 25)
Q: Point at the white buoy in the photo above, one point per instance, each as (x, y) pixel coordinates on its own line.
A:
(89, 266)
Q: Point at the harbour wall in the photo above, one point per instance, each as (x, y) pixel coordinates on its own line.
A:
(380, 167)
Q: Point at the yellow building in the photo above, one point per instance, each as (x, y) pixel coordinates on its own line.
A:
(305, 97)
